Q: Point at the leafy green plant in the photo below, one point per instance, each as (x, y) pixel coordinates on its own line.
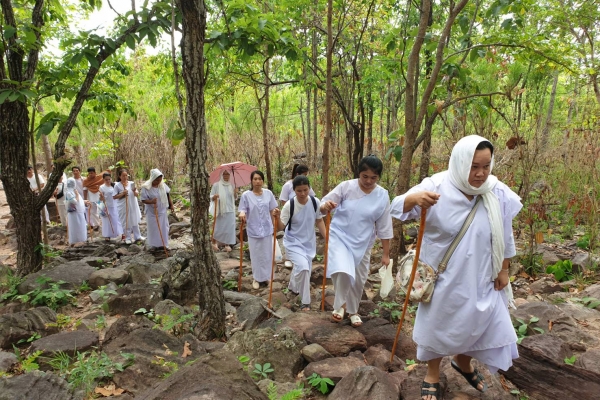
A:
(8, 286)
(26, 364)
(100, 322)
(87, 369)
(230, 284)
(61, 362)
(589, 302)
(62, 322)
(171, 366)
(523, 328)
(390, 305)
(532, 263)
(571, 360)
(324, 385)
(173, 322)
(47, 251)
(103, 294)
(294, 394)
(146, 313)
(562, 270)
(35, 336)
(520, 395)
(52, 296)
(85, 287)
(262, 370)
(408, 364)
(375, 313)
(584, 242)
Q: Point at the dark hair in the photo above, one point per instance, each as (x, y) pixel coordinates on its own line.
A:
(370, 162)
(72, 168)
(485, 145)
(104, 175)
(299, 169)
(29, 167)
(91, 169)
(300, 180)
(257, 172)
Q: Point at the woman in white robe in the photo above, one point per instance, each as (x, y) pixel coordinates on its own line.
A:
(362, 213)
(75, 213)
(300, 240)
(223, 193)
(256, 210)
(154, 196)
(127, 206)
(287, 191)
(59, 195)
(467, 316)
(111, 225)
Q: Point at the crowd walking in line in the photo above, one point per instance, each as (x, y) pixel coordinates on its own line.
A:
(467, 316)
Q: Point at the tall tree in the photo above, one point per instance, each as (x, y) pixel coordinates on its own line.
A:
(207, 272)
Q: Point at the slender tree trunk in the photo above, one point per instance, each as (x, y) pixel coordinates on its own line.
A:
(570, 113)
(425, 157)
(328, 99)
(370, 112)
(47, 153)
(264, 116)
(309, 152)
(314, 49)
(206, 268)
(548, 125)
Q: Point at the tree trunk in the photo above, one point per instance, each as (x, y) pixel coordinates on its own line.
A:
(14, 155)
(47, 153)
(548, 125)
(328, 99)
(264, 116)
(212, 305)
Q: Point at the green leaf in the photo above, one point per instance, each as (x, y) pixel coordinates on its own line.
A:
(594, 304)
(130, 40)
(45, 129)
(76, 59)
(398, 153)
(92, 60)
(4, 95)
(9, 32)
(533, 320)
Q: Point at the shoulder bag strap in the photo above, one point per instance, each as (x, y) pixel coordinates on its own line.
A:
(458, 238)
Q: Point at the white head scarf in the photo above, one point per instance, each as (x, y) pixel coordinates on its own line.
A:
(71, 191)
(155, 173)
(225, 191)
(458, 172)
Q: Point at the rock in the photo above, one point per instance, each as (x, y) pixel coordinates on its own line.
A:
(315, 352)
(549, 258)
(545, 285)
(142, 271)
(411, 386)
(72, 273)
(457, 387)
(125, 325)
(178, 280)
(14, 307)
(316, 276)
(380, 331)
(98, 262)
(333, 368)
(22, 325)
(131, 298)
(366, 307)
(581, 262)
(178, 227)
(36, 385)
(7, 360)
(281, 349)
(337, 339)
(300, 322)
(252, 312)
(156, 352)
(378, 356)
(589, 360)
(365, 383)
(211, 347)
(69, 343)
(542, 377)
(165, 307)
(550, 345)
(103, 277)
(104, 250)
(592, 291)
(222, 377)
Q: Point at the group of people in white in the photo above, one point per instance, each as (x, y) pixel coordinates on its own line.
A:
(95, 201)
(468, 315)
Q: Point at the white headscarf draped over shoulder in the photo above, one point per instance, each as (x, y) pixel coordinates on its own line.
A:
(458, 173)
(226, 192)
(71, 191)
(155, 173)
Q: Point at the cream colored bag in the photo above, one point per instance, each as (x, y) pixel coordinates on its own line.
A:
(426, 276)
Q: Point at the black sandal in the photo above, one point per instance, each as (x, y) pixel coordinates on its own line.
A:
(474, 378)
(305, 307)
(425, 390)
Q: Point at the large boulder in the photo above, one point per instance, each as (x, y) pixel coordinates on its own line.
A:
(157, 354)
(24, 324)
(37, 385)
(333, 368)
(236, 298)
(315, 352)
(131, 298)
(69, 343)
(337, 339)
(410, 387)
(72, 273)
(103, 277)
(7, 360)
(378, 356)
(366, 383)
(590, 360)
(282, 350)
(178, 280)
(303, 321)
(213, 376)
(143, 268)
(380, 331)
(252, 312)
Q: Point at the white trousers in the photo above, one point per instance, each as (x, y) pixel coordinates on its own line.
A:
(348, 292)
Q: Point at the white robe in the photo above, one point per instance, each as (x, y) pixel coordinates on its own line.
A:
(225, 222)
(357, 220)
(466, 315)
(259, 226)
(301, 244)
(60, 204)
(111, 225)
(129, 211)
(92, 210)
(153, 235)
(77, 225)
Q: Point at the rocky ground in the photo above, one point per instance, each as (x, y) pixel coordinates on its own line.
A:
(129, 333)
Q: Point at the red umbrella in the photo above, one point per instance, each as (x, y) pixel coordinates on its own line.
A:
(240, 173)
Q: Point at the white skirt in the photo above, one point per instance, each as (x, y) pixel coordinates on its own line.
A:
(153, 235)
(261, 257)
(77, 227)
(225, 228)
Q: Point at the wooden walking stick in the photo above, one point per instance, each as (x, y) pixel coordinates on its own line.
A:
(325, 259)
(108, 215)
(411, 281)
(90, 222)
(241, 255)
(214, 220)
(160, 230)
(273, 262)
(127, 214)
